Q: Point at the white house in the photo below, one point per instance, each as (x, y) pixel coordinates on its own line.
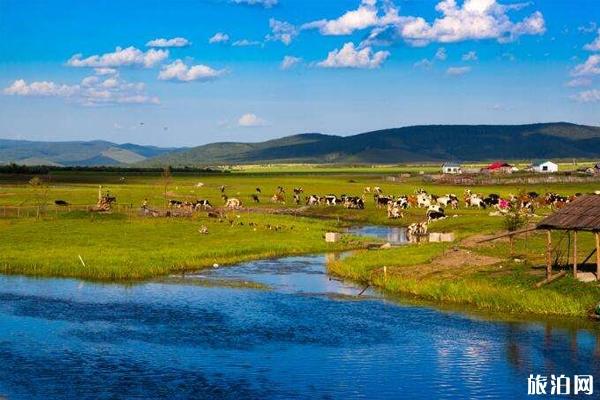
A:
(451, 168)
(544, 166)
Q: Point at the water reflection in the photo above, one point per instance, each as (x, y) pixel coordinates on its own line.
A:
(301, 338)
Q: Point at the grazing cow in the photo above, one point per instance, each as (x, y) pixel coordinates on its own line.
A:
(233, 203)
(222, 188)
(381, 201)
(448, 200)
(297, 199)
(423, 200)
(367, 189)
(278, 198)
(331, 200)
(313, 200)
(202, 205)
(473, 200)
(280, 189)
(377, 190)
(435, 208)
(199, 184)
(255, 198)
(435, 215)
(61, 203)
(175, 203)
(258, 190)
(393, 211)
(417, 229)
(298, 190)
(354, 202)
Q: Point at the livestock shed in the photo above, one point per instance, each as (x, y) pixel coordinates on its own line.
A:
(452, 168)
(580, 215)
(544, 166)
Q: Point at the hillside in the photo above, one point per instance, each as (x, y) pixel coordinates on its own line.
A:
(409, 144)
(93, 153)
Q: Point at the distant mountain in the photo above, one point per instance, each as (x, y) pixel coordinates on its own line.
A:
(94, 153)
(431, 143)
(409, 144)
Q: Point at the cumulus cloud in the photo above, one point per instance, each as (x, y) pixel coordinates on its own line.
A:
(351, 57)
(219, 37)
(289, 62)
(179, 71)
(595, 45)
(281, 31)
(250, 120)
(246, 43)
(457, 71)
(440, 54)
(365, 16)
(579, 82)
(129, 56)
(105, 71)
(470, 56)
(424, 63)
(590, 67)
(42, 88)
(263, 3)
(91, 91)
(473, 20)
(588, 96)
(174, 42)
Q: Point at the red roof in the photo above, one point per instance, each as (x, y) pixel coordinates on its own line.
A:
(497, 165)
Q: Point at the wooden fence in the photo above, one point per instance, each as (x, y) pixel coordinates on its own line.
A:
(9, 211)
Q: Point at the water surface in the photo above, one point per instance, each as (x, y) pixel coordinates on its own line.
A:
(301, 334)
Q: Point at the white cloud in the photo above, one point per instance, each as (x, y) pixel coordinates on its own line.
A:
(424, 63)
(365, 16)
(457, 71)
(289, 62)
(350, 57)
(105, 71)
(42, 88)
(579, 82)
(589, 28)
(282, 31)
(246, 43)
(588, 96)
(129, 56)
(219, 37)
(474, 20)
(92, 91)
(440, 54)
(250, 120)
(470, 56)
(263, 3)
(595, 45)
(590, 67)
(179, 71)
(174, 42)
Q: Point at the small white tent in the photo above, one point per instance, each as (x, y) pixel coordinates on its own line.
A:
(544, 166)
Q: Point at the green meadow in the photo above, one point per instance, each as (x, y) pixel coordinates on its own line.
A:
(126, 246)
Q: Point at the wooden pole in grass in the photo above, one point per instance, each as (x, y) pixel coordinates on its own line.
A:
(548, 254)
(597, 255)
(575, 254)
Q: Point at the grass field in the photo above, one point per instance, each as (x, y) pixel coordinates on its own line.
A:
(126, 246)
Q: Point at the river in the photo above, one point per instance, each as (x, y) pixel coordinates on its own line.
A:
(292, 332)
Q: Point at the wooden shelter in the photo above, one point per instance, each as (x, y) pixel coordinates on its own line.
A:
(580, 215)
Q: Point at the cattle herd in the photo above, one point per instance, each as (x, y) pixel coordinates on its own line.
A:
(434, 205)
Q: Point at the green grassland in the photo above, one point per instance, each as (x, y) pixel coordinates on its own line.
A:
(126, 246)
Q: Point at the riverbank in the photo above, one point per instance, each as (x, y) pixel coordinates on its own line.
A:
(116, 247)
(470, 274)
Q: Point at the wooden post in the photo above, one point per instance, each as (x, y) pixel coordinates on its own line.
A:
(597, 255)
(548, 254)
(575, 254)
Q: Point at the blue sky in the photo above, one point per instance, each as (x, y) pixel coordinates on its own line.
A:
(147, 71)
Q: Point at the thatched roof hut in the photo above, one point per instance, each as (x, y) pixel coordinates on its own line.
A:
(582, 214)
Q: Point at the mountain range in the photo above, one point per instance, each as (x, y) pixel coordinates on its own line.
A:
(424, 143)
